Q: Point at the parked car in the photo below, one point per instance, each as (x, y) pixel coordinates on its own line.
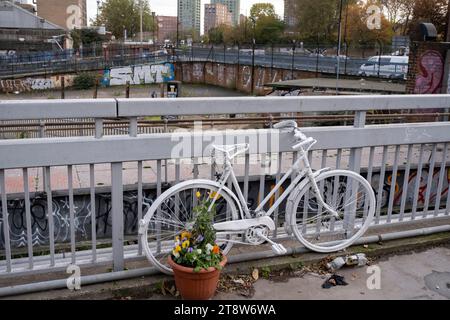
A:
(393, 67)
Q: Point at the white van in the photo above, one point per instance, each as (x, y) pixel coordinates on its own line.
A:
(394, 67)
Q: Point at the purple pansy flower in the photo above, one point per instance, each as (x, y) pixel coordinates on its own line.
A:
(200, 238)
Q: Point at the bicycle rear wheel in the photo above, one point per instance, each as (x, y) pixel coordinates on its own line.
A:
(172, 213)
(346, 192)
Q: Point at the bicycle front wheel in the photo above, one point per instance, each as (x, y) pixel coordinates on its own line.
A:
(172, 213)
(351, 198)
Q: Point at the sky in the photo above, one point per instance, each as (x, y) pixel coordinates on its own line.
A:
(169, 7)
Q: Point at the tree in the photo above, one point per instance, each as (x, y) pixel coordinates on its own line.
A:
(268, 28)
(358, 31)
(120, 15)
(398, 12)
(317, 18)
(242, 33)
(86, 37)
(262, 10)
(434, 11)
(215, 35)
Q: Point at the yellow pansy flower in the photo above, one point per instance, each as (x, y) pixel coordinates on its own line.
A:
(185, 235)
(185, 244)
(213, 194)
(198, 194)
(177, 249)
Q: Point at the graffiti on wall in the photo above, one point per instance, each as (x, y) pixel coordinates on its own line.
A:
(431, 72)
(29, 84)
(410, 187)
(233, 76)
(60, 208)
(139, 74)
(61, 218)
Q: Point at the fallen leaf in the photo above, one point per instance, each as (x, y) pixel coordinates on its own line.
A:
(239, 281)
(255, 274)
(172, 290)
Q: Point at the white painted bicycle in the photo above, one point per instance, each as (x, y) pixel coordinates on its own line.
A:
(327, 210)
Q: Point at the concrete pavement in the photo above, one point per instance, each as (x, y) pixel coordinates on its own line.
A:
(410, 268)
(417, 276)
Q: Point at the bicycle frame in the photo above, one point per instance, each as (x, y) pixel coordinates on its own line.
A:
(307, 172)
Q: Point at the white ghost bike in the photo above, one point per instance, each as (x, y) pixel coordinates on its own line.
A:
(327, 210)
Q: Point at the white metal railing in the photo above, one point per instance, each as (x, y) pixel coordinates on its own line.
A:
(375, 150)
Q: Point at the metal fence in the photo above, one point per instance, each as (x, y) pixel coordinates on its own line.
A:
(48, 63)
(420, 151)
(320, 58)
(51, 128)
(309, 58)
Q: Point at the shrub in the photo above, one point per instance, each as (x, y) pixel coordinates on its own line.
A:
(84, 81)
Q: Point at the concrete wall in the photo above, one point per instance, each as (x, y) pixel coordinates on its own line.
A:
(234, 76)
(139, 74)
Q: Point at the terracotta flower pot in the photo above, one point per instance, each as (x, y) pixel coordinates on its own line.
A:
(196, 285)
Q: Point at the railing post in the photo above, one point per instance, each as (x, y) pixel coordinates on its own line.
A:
(42, 135)
(117, 216)
(355, 163)
(355, 153)
(166, 129)
(133, 127)
(98, 128)
(41, 129)
(63, 88)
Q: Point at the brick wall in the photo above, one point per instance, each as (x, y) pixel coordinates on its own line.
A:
(427, 67)
(235, 76)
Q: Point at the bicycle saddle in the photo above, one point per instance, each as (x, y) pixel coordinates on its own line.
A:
(287, 124)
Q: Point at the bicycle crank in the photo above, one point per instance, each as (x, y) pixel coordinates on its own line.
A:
(278, 248)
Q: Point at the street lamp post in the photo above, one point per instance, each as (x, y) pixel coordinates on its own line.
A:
(141, 14)
(380, 52)
(339, 47)
(253, 56)
(178, 27)
(98, 8)
(293, 59)
(154, 29)
(317, 55)
(345, 38)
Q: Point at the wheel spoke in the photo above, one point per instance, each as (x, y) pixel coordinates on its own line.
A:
(323, 230)
(174, 215)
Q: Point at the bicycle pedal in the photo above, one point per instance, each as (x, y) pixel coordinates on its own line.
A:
(279, 249)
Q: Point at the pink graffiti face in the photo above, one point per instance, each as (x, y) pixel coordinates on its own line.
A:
(431, 67)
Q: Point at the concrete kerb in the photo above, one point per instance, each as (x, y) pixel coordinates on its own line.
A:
(146, 285)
